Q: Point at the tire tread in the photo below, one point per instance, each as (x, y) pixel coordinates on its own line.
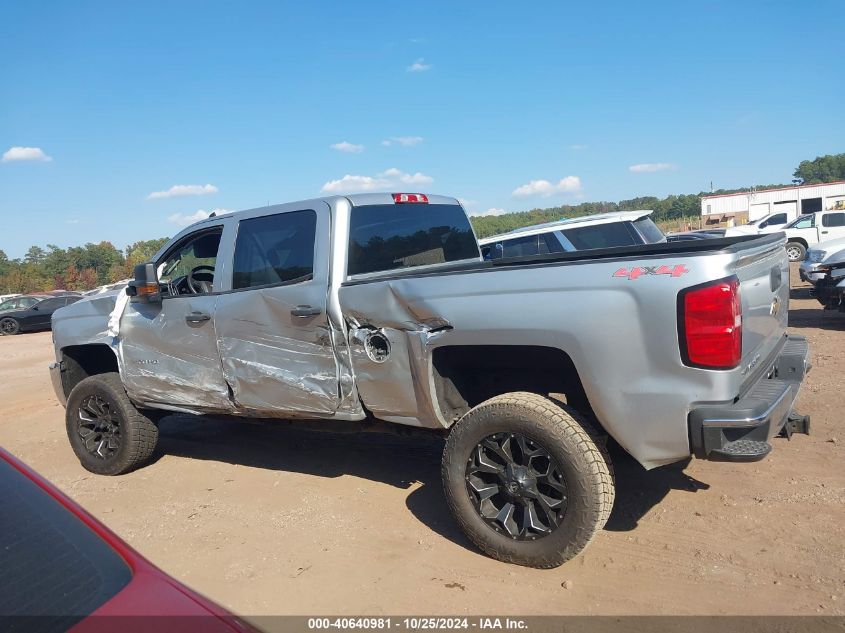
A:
(564, 423)
(139, 432)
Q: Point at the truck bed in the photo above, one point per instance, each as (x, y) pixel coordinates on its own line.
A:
(727, 245)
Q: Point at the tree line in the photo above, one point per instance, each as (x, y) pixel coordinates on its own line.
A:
(75, 268)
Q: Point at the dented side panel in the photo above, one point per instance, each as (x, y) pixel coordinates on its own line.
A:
(274, 362)
(166, 360)
(621, 336)
(278, 363)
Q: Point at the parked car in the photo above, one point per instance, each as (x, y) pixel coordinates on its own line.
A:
(377, 311)
(605, 230)
(810, 229)
(20, 302)
(837, 295)
(828, 274)
(61, 568)
(35, 317)
(767, 224)
(815, 263)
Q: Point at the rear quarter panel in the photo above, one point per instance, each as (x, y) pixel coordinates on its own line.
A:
(620, 331)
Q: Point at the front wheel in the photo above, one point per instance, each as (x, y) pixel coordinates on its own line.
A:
(795, 251)
(107, 433)
(9, 326)
(526, 481)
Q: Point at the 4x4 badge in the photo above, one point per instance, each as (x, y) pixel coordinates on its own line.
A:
(639, 271)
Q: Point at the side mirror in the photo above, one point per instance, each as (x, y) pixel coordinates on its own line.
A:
(144, 288)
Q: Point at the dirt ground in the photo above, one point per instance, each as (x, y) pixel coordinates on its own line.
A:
(270, 520)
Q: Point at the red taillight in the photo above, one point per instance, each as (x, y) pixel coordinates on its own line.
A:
(404, 198)
(710, 325)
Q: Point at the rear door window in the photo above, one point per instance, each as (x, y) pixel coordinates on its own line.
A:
(275, 249)
(833, 219)
(550, 244)
(520, 246)
(52, 304)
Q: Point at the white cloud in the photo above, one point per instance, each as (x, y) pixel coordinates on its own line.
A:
(406, 179)
(183, 219)
(388, 179)
(569, 184)
(404, 141)
(350, 184)
(577, 147)
(183, 190)
(419, 66)
(349, 148)
(71, 221)
(25, 153)
(643, 168)
(466, 202)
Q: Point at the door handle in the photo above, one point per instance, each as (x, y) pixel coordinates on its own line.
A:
(305, 311)
(824, 232)
(197, 317)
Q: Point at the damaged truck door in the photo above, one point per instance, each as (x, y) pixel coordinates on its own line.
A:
(168, 346)
(272, 326)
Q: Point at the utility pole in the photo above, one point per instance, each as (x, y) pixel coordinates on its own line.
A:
(798, 182)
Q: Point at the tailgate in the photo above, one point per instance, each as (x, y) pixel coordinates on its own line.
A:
(763, 274)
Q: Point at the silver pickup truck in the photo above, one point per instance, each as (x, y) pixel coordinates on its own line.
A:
(369, 309)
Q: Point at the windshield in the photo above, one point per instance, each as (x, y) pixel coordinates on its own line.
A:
(804, 222)
(394, 236)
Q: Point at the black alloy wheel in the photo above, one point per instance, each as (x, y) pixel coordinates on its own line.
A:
(9, 326)
(98, 427)
(516, 486)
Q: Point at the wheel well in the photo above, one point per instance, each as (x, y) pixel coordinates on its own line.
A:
(81, 361)
(797, 240)
(467, 375)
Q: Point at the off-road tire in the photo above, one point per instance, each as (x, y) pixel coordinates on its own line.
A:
(580, 453)
(795, 251)
(138, 433)
(9, 326)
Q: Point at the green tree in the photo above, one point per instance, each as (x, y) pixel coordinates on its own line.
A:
(828, 168)
(35, 255)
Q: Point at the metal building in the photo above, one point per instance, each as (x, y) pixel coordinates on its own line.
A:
(752, 205)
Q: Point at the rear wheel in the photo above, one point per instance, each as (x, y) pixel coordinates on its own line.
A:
(9, 326)
(526, 481)
(107, 433)
(795, 251)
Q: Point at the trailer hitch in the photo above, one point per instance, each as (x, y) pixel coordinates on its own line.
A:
(795, 423)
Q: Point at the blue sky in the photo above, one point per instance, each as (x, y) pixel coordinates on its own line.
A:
(506, 105)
